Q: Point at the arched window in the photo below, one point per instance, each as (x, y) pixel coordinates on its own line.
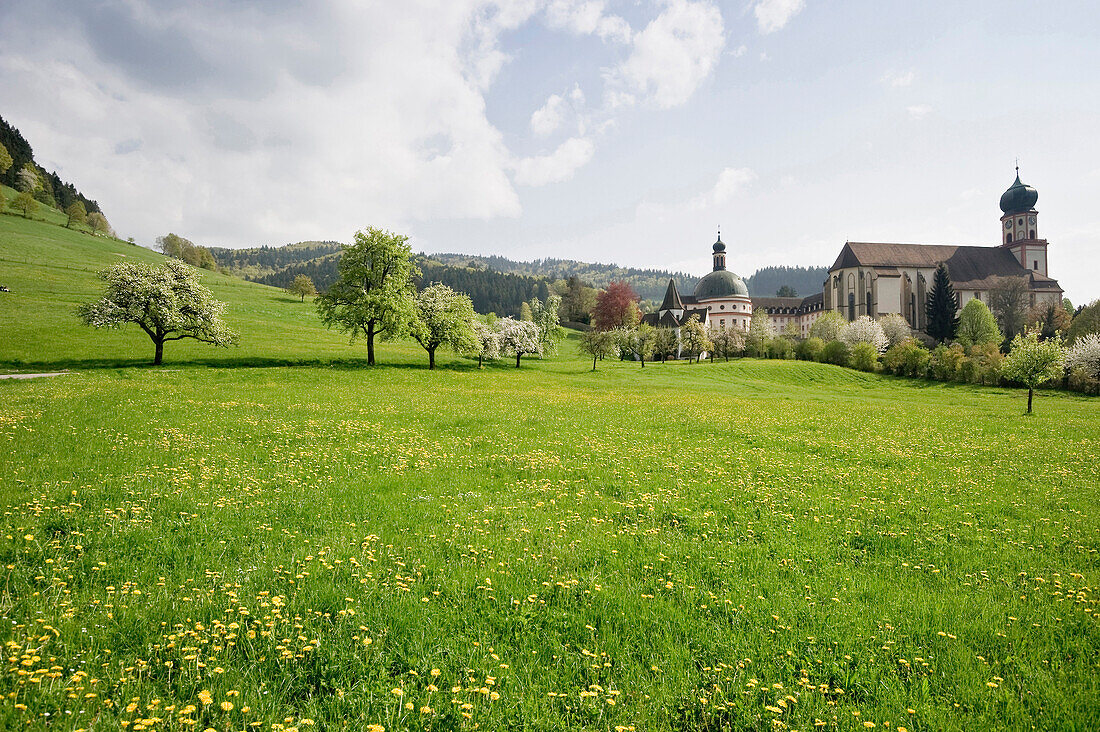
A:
(851, 306)
(1031, 234)
(1008, 238)
(868, 302)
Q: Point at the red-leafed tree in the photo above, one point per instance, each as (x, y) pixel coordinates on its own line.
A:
(616, 307)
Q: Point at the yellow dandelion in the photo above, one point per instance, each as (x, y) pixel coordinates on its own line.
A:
(227, 706)
(205, 698)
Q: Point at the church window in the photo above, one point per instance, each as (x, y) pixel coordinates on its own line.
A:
(1008, 238)
(1035, 264)
(868, 302)
(1019, 222)
(851, 306)
(1031, 234)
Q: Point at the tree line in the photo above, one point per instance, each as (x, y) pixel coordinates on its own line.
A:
(48, 188)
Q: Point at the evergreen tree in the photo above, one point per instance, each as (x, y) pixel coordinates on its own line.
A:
(942, 306)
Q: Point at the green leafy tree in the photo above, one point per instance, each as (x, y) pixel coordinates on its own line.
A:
(1087, 320)
(1068, 306)
(25, 202)
(443, 317)
(166, 302)
(76, 214)
(977, 326)
(941, 306)
(99, 225)
(1008, 299)
(645, 341)
(786, 291)
(302, 286)
(5, 159)
(373, 296)
(693, 338)
(1050, 318)
(600, 344)
(760, 330)
(1032, 362)
(525, 312)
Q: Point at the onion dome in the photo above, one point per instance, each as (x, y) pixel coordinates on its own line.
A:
(1019, 198)
(719, 246)
(720, 283)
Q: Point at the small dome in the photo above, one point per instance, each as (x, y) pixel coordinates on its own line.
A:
(1019, 198)
(719, 246)
(720, 283)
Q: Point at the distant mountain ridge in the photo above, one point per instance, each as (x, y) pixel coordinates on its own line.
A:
(495, 284)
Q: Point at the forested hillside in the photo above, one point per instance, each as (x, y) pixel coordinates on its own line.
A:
(767, 281)
(650, 284)
(51, 190)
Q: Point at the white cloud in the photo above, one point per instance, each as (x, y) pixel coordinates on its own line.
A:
(671, 57)
(739, 51)
(556, 167)
(773, 15)
(731, 183)
(895, 79)
(548, 118)
(919, 111)
(587, 17)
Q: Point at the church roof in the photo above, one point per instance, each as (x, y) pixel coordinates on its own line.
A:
(793, 305)
(969, 267)
(720, 283)
(672, 298)
(1019, 198)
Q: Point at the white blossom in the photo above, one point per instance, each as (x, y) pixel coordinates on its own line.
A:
(864, 329)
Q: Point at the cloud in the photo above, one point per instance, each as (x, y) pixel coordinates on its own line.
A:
(773, 15)
(899, 80)
(587, 17)
(919, 111)
(670, 58)
(266, 122)
(739, 51)
(731, 183)
(548, 118)
(556, 167)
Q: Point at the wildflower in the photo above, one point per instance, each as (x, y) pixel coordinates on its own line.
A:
(205, 698)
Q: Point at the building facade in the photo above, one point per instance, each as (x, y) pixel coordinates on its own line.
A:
(875, 279)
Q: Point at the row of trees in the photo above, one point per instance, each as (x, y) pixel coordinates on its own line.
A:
(30, 182)
(16, 156)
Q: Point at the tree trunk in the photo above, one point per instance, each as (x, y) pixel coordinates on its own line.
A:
(431, 358)
(370, 344)
(517, 359)
(479, 355)
(159, 353)
(643, 361)
(1030, 391)
(594, 362)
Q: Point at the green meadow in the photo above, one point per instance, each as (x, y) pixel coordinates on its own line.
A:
(278, 537)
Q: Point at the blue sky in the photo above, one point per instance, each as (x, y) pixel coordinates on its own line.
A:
(591, 129)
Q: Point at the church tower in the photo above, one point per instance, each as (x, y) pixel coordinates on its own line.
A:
(719, 253)
(1019, 231)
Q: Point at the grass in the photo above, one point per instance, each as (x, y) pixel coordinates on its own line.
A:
(749, 545)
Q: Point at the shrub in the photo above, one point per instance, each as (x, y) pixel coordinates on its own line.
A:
(780, 348)
(908, 358)
(864, 330)
(1084, 356)
(896, 328)
(987, 359)
(946, 360)
(810, 349)
(977, 326)
(864, 357)
(835, 352)
(967, 371)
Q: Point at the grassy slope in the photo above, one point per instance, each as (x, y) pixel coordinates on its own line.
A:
(50, 269)
(676, 540)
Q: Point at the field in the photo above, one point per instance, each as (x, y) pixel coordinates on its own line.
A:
(231, 542)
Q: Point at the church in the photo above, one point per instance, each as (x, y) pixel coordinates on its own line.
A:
(877, 279)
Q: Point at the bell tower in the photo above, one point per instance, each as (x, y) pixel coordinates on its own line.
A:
(1019, 227)
(719, 253)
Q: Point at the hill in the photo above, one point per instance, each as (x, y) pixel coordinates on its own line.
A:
(491, 292)
(54, 191)
(50, 269)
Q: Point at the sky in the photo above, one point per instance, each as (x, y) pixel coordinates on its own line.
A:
(598, 130)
